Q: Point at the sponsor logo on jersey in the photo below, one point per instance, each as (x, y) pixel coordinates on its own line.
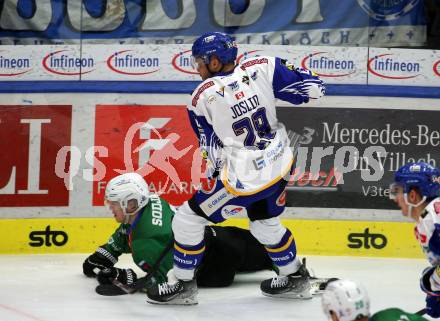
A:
(66, 63)
(281, 200)
(129, 62)
(387, 10)
(385, 66)
(259, 163)
(325, 65)
(231, 210)
(221, 91)
(254, 62)
(11, 67)
(200, 91)
(239, 95)
(234, 86)
(367, 240)
(254, 75)
(436, 68)
(182, 62)
(245, 80)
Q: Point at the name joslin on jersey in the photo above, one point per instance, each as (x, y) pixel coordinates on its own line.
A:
(68, 62)
(11, 66)
(391, 66)
(132, 63)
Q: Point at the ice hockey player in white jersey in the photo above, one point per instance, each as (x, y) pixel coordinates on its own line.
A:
(247, 149)
(416, 190)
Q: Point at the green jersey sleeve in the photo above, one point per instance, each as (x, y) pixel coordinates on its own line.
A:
(394, 314)
(118, 242)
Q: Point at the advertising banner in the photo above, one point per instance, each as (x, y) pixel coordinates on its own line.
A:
(155, 141)
(172, 63)
(60, 150)
(314, 237)
(31, 137)
(284, 22)
(348, 156)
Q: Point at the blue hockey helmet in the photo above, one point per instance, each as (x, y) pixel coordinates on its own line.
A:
(215, 43)
(422, 176)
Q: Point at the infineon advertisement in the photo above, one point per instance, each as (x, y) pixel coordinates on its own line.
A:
(128, 62)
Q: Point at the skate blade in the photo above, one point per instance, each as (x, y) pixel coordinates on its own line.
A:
(290, 295)
(187, 301)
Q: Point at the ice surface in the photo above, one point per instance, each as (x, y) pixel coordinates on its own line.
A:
(53, 288)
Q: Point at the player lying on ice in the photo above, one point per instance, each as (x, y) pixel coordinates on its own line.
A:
(416, 190)
(234, 117)
(145, 232)
(345, 300)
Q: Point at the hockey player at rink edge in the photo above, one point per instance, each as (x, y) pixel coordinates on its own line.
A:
(416, 190)
(346, 300)
(247, 150)
(145, 232)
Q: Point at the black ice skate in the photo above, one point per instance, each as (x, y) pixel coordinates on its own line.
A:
(293, 286)
(179, 293)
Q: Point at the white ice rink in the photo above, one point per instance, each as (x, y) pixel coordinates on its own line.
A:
(53, 288)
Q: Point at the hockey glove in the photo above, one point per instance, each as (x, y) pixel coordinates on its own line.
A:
(125, 276)
(433, 306)
(98, 261)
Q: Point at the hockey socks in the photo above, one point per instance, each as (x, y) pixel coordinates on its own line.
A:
(283, 254)
(187, 259)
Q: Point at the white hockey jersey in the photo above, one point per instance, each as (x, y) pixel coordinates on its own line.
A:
(426, 227)
(235, 120)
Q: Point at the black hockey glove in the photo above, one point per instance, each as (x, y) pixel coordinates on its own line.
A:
(98, 261)
(125, 276)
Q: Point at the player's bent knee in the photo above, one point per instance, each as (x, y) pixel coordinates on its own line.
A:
(268, 231)
(188, 228)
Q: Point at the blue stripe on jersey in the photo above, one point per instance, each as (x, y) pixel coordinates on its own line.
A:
(208, 140)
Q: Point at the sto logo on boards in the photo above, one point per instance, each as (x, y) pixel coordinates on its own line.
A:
(366, 240)
(47, 238)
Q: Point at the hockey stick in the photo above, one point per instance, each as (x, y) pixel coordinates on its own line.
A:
(118, 288)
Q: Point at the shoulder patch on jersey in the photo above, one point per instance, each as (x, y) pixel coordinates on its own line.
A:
(437, 207)
(221, 91)
(234, 86)
(245, 80)
(253, 62)
(419, 236)
(287, 64)
(200, 91)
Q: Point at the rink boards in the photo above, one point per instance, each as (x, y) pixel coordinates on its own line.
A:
(313, 237)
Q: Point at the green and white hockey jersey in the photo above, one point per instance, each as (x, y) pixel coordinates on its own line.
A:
(146, 238)
(394, 314)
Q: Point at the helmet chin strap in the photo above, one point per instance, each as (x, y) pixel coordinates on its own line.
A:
(411, 206)
(128, 215)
